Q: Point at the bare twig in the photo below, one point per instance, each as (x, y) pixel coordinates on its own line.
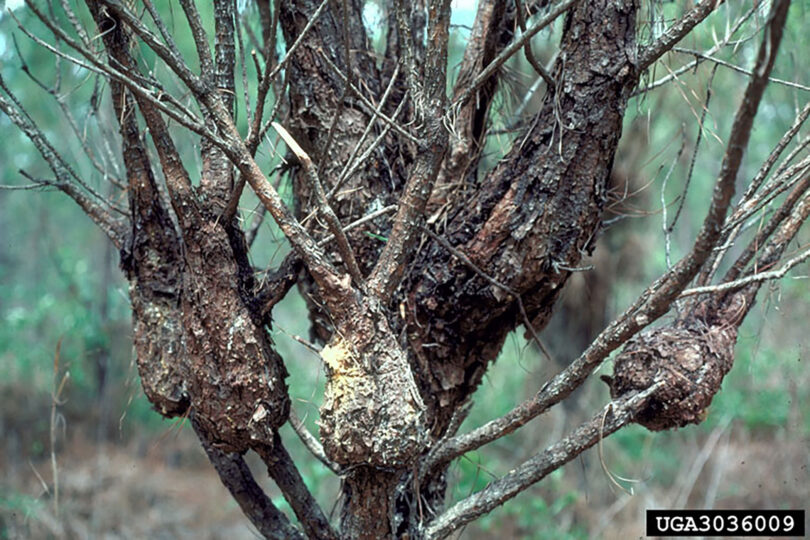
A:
(783, 179)
(784, 212)
(360, 221)
(312, 444)
(66, 112)
(691, 65)
(357, 163)
(738, 69)
(349, 162)
(74, 177)
(748, 202)
(666, 228)
(527, 48)
(676, 32)
(754, 278)
(699, 138)
(184, 117)
(371, 108)
(557, 10)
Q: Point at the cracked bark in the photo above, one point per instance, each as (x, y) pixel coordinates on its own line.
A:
(535, 214)
(409, 338)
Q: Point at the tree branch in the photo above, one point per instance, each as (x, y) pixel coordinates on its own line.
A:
(691, 65)
(765, 232)
(269, 24)
(283, 471)
(527, 48)
(282, 280)
(231, 143)
(429, 103)
(236, 476)
(117, 43)
(172, 60)
(256, 131)
(515, 46)
(216, 180)
(676, 32)
(114, 229)
(334, 289)
(756, 183)
(186, 119)
(610, 419)
(312, 444)
(200, 37)
(753, 278)
(658, 297)
(493, 29)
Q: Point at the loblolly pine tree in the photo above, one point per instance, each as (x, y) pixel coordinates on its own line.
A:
(417, 252)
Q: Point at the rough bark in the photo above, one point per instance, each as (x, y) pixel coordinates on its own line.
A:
(328, 120)
(530, 221)
(199, 343)
(412, 308)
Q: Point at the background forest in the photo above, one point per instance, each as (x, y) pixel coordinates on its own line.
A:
(83, 455)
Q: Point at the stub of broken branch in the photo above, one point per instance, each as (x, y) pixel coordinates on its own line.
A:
(293, 145)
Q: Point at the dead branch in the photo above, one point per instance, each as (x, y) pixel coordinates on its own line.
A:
(324, 208)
